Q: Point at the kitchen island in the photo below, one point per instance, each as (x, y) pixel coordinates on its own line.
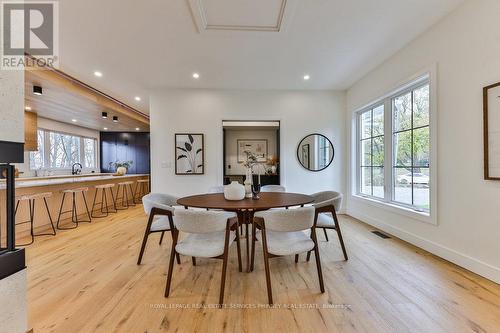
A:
(56, 184)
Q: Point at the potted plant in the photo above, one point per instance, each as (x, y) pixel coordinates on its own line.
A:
(121, 167)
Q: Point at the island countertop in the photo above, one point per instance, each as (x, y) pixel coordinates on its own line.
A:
(67, 179)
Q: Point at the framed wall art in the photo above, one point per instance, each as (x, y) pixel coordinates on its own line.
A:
(491, 123)
(256, 146)
(189, 154)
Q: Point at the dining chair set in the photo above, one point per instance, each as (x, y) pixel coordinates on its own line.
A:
(210, 233)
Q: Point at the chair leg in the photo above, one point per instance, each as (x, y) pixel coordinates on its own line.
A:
(178, 257)
(339, 234)
(161, 237)
(320, 272)
(326, 235)
(193, 259)
(224, 267)
(266, 266)
(143, 246)
(238, 248)
(318, 261)
(171, 264)
(254, 239)
(308, 256)
(296, 258)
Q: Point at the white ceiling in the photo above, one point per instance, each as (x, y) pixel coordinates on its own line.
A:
(144, 45)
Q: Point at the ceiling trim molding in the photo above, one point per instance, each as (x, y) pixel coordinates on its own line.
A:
(283, 20)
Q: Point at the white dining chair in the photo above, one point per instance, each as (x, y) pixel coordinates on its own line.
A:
(327, 204)
(216, 189)
(160, 208)
(273, 188)
(284, 234)
(209, 234)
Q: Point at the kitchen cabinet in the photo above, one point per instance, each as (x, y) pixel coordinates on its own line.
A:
(30, 131)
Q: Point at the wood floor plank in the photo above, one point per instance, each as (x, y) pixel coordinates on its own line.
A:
(87, 280)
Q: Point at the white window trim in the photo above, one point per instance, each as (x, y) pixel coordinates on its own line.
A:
(46, 143)
(429, 74)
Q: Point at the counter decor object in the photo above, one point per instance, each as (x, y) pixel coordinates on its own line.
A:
(121, 167)
(234, 191)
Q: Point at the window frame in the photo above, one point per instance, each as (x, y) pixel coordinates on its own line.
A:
(46, 148)
(388, 202)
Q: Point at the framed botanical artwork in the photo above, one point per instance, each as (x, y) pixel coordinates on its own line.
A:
(491, 123)
(189, 154)
(258, 147)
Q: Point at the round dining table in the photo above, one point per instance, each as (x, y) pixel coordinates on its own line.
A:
(245, 208)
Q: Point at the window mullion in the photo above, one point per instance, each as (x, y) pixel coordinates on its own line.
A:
(388, 150)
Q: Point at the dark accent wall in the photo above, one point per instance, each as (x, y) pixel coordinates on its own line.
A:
(125, 146)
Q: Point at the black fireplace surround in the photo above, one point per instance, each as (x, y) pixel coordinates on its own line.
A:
(12, 260)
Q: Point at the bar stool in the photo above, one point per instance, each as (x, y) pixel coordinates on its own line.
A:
(141, 189)
(104, 200)
(125, 188)
(30, 199)
(74, 212)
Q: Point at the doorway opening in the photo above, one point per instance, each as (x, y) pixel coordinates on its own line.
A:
(262, 139)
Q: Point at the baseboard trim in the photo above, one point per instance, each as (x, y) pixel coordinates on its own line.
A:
(476, 266)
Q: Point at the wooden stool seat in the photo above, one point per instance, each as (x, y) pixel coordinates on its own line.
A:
(126, 183)
(25, 197)
(76, 190)
(105, 186)
(143, 181)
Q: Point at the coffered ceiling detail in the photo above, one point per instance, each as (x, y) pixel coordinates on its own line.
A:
(242, 15)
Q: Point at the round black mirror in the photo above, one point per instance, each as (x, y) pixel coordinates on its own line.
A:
(315, 152)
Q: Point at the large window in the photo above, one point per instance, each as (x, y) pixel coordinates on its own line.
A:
(400, 174)
(60, 151)
(372, 152)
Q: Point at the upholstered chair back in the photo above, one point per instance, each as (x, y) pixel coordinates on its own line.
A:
(158, 200)
(288, 219)
(327, 198)
(272, 188)
(201, 222)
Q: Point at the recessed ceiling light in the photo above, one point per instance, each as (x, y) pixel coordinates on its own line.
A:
(104, 115)
(105, 128)
(115, 119)
(137, 129)
(196, 75)
(27, 108)
(37, 90)
(306, 77)
(98, 74)
(74, 120)
(137, 98)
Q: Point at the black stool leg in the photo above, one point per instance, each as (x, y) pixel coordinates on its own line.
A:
(50, 217)
(132, 204)
(86, 208)
(62, 212)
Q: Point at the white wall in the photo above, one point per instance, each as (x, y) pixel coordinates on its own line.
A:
(13, 314)
(202, 111)
(466, 47)
(232, 137)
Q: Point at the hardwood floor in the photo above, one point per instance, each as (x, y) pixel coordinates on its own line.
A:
(87, 280)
